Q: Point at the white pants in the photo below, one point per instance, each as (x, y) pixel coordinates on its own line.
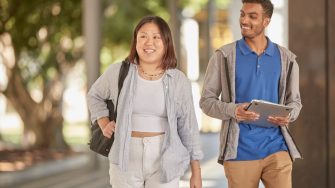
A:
(144, 166)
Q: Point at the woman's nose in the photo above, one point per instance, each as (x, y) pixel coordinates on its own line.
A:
(149, 40)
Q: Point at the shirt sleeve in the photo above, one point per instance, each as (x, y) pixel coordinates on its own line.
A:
(212, 89)
(188, 129)
(101, 90)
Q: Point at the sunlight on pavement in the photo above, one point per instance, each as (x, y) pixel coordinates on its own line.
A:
(205, 183)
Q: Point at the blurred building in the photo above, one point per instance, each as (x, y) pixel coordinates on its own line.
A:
(312, 38)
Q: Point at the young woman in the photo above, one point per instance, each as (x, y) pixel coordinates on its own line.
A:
(156, 132)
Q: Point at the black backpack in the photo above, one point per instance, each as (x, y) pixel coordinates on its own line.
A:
(98, 142)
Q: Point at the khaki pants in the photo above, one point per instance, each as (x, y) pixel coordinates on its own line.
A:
(275, 172)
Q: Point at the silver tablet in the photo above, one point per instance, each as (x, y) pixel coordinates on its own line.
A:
(266, 109)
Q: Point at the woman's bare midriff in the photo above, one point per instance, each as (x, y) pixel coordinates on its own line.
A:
(145, 134)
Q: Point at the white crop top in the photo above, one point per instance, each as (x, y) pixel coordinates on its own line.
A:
(149, 111)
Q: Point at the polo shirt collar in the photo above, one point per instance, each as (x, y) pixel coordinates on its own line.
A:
(245, 49)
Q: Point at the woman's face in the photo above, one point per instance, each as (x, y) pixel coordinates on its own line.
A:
(149, 45)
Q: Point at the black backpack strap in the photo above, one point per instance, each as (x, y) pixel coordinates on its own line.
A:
(124, 69)
(123, 74)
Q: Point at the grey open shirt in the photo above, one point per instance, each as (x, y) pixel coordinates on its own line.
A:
(215, 84)
(181, 142)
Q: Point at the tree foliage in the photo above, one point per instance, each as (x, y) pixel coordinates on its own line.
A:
(40, 41)
(121, 16)
(42, 33)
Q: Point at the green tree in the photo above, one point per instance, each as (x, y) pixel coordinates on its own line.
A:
(40, 42)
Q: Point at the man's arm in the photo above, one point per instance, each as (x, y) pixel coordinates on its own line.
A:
(212, 89)
(293, 98)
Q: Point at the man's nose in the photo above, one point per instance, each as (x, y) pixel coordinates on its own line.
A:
(243, 20)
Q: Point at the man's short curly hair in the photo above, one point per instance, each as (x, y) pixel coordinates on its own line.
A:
(266, 4)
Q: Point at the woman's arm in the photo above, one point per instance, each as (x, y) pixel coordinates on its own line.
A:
(195, 181)
(187, 124)
(102, 90)
(188, 129)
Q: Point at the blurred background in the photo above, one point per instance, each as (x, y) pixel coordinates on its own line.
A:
(51, 51)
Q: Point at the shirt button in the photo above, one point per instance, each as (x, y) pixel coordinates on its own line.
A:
(258, 66)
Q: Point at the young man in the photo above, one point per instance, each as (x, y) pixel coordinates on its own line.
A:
(253, 68)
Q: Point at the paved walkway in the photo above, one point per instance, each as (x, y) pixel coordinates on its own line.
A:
(85, 177)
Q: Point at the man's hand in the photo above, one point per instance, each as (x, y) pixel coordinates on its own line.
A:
(244, 115)
(279, 120)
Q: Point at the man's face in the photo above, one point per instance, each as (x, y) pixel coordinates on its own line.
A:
(253, 20)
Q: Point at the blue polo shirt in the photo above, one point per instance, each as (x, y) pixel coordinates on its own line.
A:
(257, 77)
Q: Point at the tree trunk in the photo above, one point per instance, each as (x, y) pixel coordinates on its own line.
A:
(175, 23)
(49, 132)
(43, 119)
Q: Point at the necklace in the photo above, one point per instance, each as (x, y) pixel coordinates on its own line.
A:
(150, 76)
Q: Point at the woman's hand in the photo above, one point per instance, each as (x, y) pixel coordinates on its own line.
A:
(107, 127)
(195, 181)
